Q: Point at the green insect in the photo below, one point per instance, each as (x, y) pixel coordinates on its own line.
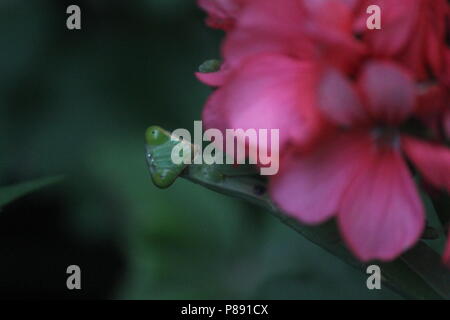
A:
(164, 172)
(158, 154)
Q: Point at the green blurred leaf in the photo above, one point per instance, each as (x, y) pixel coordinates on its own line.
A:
(433, 222)
(10, 193)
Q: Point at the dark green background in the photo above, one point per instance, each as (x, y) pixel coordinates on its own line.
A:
(77, 103)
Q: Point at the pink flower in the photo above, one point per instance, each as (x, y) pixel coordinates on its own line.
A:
(359, 174)
(412, 33)
(287, 65)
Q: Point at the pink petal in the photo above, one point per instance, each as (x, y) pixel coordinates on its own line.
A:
(339, 101)
(381, 214)
(446, 256)
(432, 160)
(214, 114)
(267, 26)
(350, 3)
(269, 92)
(397, 26)
(389, 90)
(213, 79)
(435, 15)
(328, 25)
(310, 187)
(432, 100)
(445, 74)
(432, 104)
(413, 56)
(435, 52)
(334, 13)
(446, 124)
(412, 34)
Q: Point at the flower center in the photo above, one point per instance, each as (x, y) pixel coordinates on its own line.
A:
(386, 137)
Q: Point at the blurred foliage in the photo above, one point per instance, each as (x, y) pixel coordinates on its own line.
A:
(77, 103)
(14, 192)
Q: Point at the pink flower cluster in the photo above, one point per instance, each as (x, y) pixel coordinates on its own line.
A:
(343, 97)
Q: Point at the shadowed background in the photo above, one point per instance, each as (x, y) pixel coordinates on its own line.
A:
(77, 103)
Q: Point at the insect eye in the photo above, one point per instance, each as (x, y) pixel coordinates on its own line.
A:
(155, 136)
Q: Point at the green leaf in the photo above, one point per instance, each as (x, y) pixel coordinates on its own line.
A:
(433, 278)
(11, 193)
(437, 239)
(417, 274)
